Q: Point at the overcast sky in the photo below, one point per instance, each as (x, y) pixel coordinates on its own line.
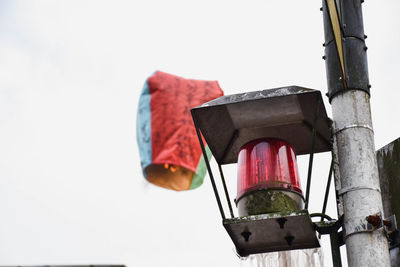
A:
(71, 188)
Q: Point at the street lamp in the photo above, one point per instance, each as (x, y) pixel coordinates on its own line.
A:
(263, 131)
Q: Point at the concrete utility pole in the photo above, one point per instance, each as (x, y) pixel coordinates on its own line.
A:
(348, 91)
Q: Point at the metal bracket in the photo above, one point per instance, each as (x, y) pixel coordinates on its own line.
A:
(369, 224)
(394, 239)
(332, 227)
(393, 234)
(375, 221)
(390, 224)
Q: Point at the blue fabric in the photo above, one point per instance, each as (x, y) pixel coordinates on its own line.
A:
(143, 128)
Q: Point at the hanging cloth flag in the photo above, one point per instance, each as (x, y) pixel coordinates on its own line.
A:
(170, 152)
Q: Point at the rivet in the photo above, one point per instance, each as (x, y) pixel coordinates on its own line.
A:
(289, 239)
(281, 222)
(246, 235)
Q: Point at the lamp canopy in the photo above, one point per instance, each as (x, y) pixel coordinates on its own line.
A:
(287, 113)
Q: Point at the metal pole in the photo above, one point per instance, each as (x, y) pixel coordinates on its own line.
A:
(348, 91)
(335, 249)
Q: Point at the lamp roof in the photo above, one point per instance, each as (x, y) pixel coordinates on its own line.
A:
(229, 122)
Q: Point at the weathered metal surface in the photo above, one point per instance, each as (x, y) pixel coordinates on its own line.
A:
(359, 179)
(394, 238)
(351, 48)
(287, 113)
(395, 257)
(271, 232)
(331, 227)
(388, 159)
(352, 20)
(354, 137)
(356, 66)
(334, 75)
(338, 183)
(269, 201)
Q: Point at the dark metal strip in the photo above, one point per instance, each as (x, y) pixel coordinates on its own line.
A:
(335, 250)
(221, 210)
(328, 184)
(322, 215)
(310, 162)
(226, 190)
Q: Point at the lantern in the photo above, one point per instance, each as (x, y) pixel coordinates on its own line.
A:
(262, 131)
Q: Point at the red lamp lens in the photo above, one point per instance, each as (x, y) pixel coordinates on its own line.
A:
(267, 163)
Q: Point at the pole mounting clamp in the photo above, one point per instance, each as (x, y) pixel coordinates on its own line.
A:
(363, 225)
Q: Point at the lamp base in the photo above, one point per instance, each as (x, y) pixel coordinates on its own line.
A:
(272, 232)
(265, 201)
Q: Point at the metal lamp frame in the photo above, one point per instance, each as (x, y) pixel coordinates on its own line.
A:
(239, 228)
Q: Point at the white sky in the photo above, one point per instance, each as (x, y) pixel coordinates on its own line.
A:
(71, 189)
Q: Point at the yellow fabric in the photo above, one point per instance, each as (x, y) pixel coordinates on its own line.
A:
(169, 176)
(333, 13)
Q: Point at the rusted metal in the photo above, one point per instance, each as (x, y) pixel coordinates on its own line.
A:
(387, 223)
(375, 220)
(359, 180)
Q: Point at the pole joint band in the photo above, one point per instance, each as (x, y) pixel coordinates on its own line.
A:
(355, 188)
(365, 126)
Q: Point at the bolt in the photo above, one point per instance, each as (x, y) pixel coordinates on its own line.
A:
(323, 44)
(246, 235)
(323, 57)
(365, 36)
(374, 220)
(281, 222)
(369, 86)
(289, 239)
(321, 9)
(365, 48)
